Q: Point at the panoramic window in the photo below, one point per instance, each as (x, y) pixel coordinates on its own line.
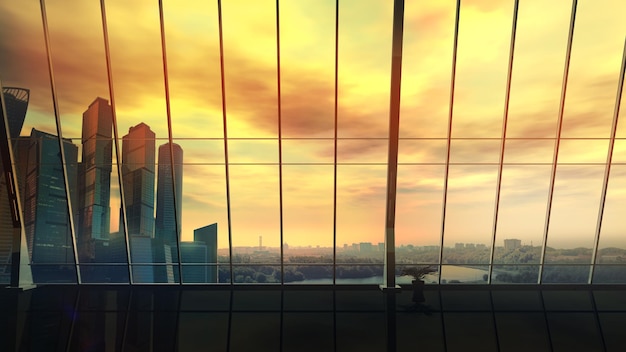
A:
(238, 142)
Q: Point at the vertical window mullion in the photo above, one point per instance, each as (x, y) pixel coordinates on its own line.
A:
(607, 170)
(503, 141)
(57, 117)
(116, 139)
(170, 140)
(558, 140)
(450, 113)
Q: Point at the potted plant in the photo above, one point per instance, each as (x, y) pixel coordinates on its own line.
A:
(418, 274)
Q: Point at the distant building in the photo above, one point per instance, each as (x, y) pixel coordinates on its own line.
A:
(381, 246)
(94, 178)
(138, 148)
(366, 247)
(470, 245)
(194, 259)
(169, 195)
(46, 223)
(459, 245)
(511, 244)
(481, 246)
(208, 235)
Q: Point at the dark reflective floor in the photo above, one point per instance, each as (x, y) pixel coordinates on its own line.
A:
(254, 318)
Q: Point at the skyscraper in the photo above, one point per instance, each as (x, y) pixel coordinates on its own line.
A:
(138, 175)
(16, 103)
(169, 204)
(46, 218)
(94, 180)
(16, 100)
(208, 235)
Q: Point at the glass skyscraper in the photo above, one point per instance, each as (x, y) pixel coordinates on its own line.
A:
(94, 178)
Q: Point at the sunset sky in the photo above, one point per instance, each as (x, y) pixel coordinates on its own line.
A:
(307, 57)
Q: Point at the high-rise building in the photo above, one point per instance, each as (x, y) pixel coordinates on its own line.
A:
(208, 235)
(169, 202)
(16, 103)
(138, 175)
(94, 180)
(194, 258)
(46, 217)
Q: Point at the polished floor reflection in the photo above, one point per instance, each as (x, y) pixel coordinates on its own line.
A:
(321, 318)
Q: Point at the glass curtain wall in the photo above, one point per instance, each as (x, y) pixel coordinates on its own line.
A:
(241, 143)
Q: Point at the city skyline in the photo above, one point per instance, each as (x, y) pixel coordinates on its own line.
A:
(307, 111)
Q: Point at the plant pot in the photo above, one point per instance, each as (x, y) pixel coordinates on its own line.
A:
(418, 291)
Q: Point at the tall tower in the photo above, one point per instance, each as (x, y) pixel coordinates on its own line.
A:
(94, 180)
(168, 214)
(138, 175)
(46, 218)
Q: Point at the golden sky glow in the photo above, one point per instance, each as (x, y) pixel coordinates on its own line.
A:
(307, 53)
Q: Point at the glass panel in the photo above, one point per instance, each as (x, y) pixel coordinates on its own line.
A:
(481, 74)
(521, 216)
(263, 274)
(253, 151)
(574, 214)
(612, 245)
(308, 213)
(474, 151)
(469, 218)
(200, 151)
(301, 151)
(594, 69)
(204, 217)
(249, 36)
(565, 274)
(517, 274)
(533, 151)
(418, 214)
(609, 274)
(454, 274)
(192, 38)
(361, 196)
(540, 47)
(583, 151)
(362, 151)
(308, 274)
(427, 59)
(255, 214)
(359, 274)
(421, 151)
(141, 110)
(364, 61)
(307, 58)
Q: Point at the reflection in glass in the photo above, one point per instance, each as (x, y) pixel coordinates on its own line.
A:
(455, 274)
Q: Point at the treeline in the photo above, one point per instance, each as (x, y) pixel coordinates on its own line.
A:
(271, 274)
